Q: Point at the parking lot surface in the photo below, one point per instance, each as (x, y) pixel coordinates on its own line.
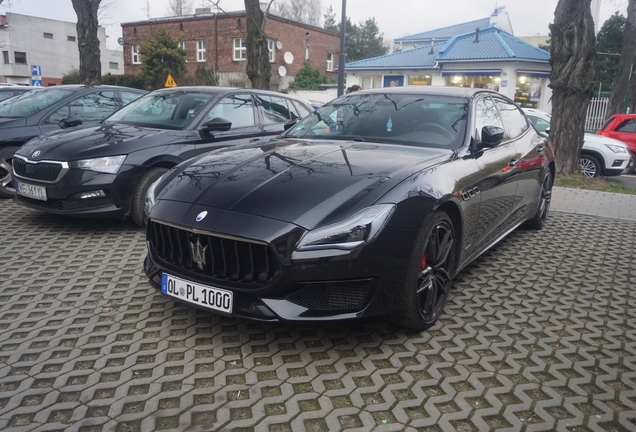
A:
(538, 334)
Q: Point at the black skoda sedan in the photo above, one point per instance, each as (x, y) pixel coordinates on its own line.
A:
(367, 207)
(43, 110)
(106, 170)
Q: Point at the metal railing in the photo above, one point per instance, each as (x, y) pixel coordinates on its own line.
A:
(596, 112)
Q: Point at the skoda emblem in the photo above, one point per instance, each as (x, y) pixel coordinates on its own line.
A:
(198, 253)
(201, 216)
(36, 154)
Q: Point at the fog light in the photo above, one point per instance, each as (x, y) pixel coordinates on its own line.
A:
(618, 162)
(93, 194)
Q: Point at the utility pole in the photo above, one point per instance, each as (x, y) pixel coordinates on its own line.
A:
(341, 59)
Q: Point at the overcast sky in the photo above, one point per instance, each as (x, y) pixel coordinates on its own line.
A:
(396, 18)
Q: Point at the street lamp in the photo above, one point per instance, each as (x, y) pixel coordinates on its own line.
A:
(341, 58)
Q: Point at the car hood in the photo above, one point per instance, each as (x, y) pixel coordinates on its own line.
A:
(308, 183)
(95, 141)
(593, 139)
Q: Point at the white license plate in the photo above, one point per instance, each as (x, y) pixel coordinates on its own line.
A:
(31, 191)
(203, 295)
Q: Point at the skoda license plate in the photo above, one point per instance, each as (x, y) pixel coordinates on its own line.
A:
(31, 191)
(192, 292)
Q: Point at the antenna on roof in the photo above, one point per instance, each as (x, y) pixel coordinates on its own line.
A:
(148, 9)
(496, 7)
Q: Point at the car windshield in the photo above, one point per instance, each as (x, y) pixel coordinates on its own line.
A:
(28, 103)
(174, 110)
(417, 120)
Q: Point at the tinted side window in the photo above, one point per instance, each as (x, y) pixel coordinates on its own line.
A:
(6, 95)
(292, 110)
(486, 114)
(238, 109)
(539, 123)
(627, 126)
(515, 123)
(127, 97)
(302, 110)
(273, 109)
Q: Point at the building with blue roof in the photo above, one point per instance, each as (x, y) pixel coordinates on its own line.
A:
(482, 53)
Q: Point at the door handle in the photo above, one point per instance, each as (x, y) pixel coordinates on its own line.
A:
(513, 162)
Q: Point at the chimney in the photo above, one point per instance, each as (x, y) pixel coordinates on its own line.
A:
(432, 51)
(202, 11)
(476, 35)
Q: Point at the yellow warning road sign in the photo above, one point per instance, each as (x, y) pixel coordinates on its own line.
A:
(170, 82)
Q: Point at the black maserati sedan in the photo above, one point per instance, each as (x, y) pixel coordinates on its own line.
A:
(105, 170)
(43, 110)
(368, 207)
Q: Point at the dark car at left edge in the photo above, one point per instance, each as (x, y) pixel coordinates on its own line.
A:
(367, 208)
(105, 170)
(43, 110)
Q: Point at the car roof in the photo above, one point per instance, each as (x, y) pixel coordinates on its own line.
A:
(97, 86)
(225, 90)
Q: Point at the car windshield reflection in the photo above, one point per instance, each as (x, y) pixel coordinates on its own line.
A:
(174, 110)
(416, 120)
(31, 102)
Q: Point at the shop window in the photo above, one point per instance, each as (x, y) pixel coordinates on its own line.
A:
(528, 91)
(459, 81)
(419, 80)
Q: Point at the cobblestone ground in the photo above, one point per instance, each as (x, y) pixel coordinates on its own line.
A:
(539, 334)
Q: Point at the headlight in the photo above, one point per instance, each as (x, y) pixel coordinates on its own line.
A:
(150, 197)
(616, 148)
(350, 233)
(110, 164)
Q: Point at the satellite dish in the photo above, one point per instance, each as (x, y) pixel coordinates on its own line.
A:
(120, 41)
(279, 45)
(289, 57)
(282, 71)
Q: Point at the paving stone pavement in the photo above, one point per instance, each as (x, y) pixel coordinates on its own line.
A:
(538, 335)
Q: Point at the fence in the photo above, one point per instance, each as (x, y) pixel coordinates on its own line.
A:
(596, 111)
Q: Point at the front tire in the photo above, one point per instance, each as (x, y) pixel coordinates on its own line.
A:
(590, 166)
(539, 219)
(7, 190)
(430, 273)
(139, 196)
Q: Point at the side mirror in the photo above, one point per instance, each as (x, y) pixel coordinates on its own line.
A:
(70, 122)
(491, 136)
(217, 124)
(547, 131)
(290, 124)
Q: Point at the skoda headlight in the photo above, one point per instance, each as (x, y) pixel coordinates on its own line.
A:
(150, 200)
(109, 164)
(616, 148)
(350, 233)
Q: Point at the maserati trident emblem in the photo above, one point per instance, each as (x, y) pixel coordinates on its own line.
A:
(201, 216)
(198, 253)
(36, 154)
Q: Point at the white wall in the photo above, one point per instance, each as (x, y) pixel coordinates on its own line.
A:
(56, 56)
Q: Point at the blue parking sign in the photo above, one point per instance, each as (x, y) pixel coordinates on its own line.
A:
(36, 70)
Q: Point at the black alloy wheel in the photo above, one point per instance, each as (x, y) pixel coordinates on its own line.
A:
(541, 216)
(430, 274)
(7, 189)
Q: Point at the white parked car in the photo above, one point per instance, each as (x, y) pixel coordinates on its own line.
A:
(599, 156)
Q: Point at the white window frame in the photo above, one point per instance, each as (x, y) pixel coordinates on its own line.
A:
(329, 62)
(136, 56)
(201, 51)
(239, 51)
(306, 52)
(183, 45)
(271, 46)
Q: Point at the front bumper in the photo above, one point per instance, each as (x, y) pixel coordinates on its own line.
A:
(312, 286)
(63, 195)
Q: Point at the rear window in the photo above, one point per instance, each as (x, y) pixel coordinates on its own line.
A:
(627, 126)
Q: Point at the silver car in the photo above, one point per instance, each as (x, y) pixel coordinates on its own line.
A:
(599, 156)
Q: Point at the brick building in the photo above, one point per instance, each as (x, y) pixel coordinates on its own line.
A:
(217, 42)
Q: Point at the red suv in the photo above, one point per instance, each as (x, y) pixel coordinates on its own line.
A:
(623, 128)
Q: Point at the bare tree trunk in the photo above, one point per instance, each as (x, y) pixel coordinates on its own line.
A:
(617, 96)
(258, 70)
(573, 61)
(88, 44)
